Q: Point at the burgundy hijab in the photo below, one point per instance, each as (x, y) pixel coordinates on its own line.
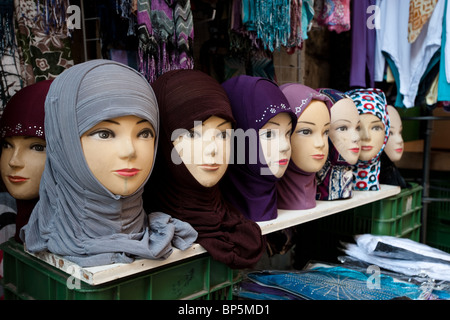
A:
(185, 96)
(297, 189)
(247, 185)
(24, 116)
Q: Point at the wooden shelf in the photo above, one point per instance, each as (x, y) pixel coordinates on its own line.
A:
(286, 218)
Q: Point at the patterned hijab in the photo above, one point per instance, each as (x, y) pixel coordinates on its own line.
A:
(370, 101)
(248, 184)
(297, 188)
(24, 116)
(76, 216)
(335, 179)
(186, 96)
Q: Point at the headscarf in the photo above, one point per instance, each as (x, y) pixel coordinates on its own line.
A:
(370, 101)
(335, 179)
(297, 188)
(76, 216)
(248, 184)
(24, 116)
(186, 96)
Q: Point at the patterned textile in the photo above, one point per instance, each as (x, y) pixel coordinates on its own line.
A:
(370, 101)
(334, 14)
(419, 13)
(10, 81)
(43, 39)
(166, 35)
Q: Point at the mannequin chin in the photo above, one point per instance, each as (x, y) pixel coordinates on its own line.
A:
(310, 138)
(394, 145)
(205, 150)
(275, 143)
(372, 136)
(120, 152)
(22, 163)
(344, 130)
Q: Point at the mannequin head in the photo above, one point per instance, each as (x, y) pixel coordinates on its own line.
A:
(345, 130)
(275, 141)
(310, 138)
(394, 146)
(205, 149)
(120, 152)
(372, 136)
(23, 151)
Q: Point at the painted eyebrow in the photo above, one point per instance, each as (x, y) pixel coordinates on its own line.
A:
(277, 124)
(115, 122)
(219, 125)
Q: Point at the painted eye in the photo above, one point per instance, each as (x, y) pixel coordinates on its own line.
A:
(38, 147)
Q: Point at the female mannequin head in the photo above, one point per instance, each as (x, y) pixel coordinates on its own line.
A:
(345, 130)
(394, 146)
(310, 138)
(372, 136)
(205, 150)
(23, 141)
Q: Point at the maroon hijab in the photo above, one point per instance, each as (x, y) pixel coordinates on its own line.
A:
(24, 116)
(185, 96)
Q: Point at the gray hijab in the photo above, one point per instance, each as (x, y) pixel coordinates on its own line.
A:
(76, 216)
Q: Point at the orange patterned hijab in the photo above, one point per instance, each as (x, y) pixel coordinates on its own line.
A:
(419, 13)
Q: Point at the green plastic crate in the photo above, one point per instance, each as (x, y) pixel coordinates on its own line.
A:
(438, 216)
(398, 216)
(26, 277)
(438, 235)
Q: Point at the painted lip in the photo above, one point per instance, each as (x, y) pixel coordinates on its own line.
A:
(354, 150)
(399, 150)
(283, 162)
(318, 156)
(366, 148)
(209, 167)
(127, 172)
(17, 179)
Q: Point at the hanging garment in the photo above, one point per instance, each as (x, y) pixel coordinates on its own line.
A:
(444, 70)
(186, 96)
(247, 183)
(297, 189)
(410, 59)
(43, 39)
(307, 17)
(76, 216)
(370, 101)
(420, 12)
(24, 116)
(363, 45)
(335, 15)
(166, 35)
(335, 179)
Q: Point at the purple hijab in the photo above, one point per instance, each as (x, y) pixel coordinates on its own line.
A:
(335, 179)
(297, 188)
(247, 183)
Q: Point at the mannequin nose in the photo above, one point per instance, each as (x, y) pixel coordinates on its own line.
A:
(364, 133)
(285, 144)
(356, 137)
(128, 150)
(319, 141)
(210, 148)
(16, 160)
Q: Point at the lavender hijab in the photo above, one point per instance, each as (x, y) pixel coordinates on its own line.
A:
(297, 188)
(335, 179)
(76, 216)
(248, 185)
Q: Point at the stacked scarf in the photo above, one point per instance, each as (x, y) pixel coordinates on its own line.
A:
(248, 184)
(334, 14)
(24, 116)
(370, 101)
(186, 96)
(166, 33)
(76, 216)
(334, 180)
(297, 188)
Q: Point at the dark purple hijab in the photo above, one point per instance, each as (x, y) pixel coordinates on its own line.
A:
(297, 189)
(248, 184)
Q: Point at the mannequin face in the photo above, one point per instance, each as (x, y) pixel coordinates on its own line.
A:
(394, 146)
(372, 136)
(310, 138)
(344, 130)
(205, 150)
(119, 153)
(22, 163)
(275, 141)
